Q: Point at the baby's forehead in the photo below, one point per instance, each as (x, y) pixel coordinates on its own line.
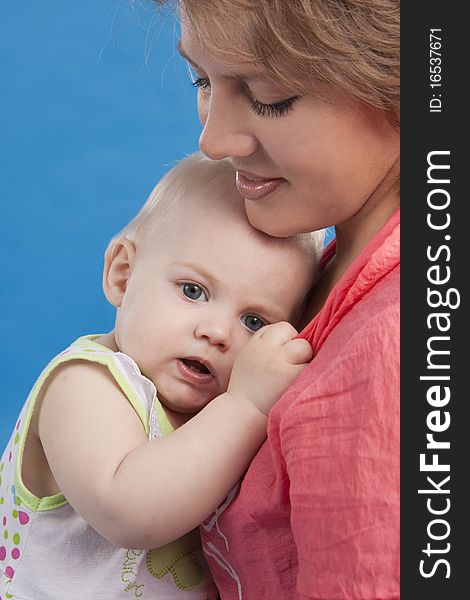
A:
(209, 206)
(214, 215)
(221, 237)
(199, 210)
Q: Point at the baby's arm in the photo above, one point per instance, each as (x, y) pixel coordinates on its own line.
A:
(141, 494)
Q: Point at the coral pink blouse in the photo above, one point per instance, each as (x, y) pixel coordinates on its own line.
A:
(317, 513)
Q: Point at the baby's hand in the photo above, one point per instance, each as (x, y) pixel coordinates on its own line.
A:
(268, 364)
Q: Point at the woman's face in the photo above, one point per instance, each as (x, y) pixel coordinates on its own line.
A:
(301, 163)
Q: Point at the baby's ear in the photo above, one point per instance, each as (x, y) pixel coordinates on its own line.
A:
(118, 262)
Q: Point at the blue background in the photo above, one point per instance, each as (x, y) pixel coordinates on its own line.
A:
(95, 104)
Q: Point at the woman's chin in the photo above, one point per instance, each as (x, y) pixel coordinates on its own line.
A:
(268, 224)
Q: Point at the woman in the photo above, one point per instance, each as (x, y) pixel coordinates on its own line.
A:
(302, 97)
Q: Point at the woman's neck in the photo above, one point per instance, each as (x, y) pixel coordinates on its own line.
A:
(351, 238)
(353, 235)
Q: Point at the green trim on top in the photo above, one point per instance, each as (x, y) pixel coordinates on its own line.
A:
(22, 493)
(163, 423)
(88, 343)
(87, 348)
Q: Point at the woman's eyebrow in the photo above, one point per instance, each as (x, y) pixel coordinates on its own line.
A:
(248, 76)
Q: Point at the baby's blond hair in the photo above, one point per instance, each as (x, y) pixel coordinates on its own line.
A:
(178, 185)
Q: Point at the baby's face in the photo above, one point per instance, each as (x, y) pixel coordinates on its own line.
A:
(198, 294)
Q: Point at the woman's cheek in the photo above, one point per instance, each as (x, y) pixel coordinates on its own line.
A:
(202, 106)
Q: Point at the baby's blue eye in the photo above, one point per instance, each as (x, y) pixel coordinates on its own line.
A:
(193, 291)
(252, 322)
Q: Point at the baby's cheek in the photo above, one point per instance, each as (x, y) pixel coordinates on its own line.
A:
(226, 375)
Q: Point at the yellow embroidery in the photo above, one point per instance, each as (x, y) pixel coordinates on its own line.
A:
(179, 559)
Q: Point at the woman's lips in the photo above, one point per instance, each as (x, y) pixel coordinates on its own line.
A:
(254, 188)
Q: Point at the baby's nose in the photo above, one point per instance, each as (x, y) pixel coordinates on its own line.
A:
(217, 332)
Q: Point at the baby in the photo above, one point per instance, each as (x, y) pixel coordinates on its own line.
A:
(132, 438)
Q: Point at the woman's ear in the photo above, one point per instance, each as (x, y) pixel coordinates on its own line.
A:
(118, 263)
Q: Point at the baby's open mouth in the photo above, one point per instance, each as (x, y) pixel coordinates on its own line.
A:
(195, 366)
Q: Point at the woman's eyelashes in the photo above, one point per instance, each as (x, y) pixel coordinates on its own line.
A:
(263, 109)
(201, 82)
(276, 109)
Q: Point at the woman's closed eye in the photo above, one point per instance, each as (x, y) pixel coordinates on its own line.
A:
(253, 322)
(193, 291)
(201, 82)
(275, 109)
(263, 109)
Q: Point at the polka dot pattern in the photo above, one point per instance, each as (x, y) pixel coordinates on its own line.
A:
(12, 518)
(23, 517)
(10, 572)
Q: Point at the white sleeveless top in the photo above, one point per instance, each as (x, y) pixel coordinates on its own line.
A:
(48, 552)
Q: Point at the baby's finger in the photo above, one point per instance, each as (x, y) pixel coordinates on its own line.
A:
(278, 333)
(296, 370)
(298, 351)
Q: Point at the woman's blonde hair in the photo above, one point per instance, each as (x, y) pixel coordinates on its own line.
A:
(352, 44)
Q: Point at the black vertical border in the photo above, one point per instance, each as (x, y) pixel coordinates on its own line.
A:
(423, 132)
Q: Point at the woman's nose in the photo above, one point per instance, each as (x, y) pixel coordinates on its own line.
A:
(217, 331)
(225, 133)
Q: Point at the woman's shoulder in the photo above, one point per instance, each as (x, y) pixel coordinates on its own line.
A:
(357, 365)
(367, 338)
(380, 304)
